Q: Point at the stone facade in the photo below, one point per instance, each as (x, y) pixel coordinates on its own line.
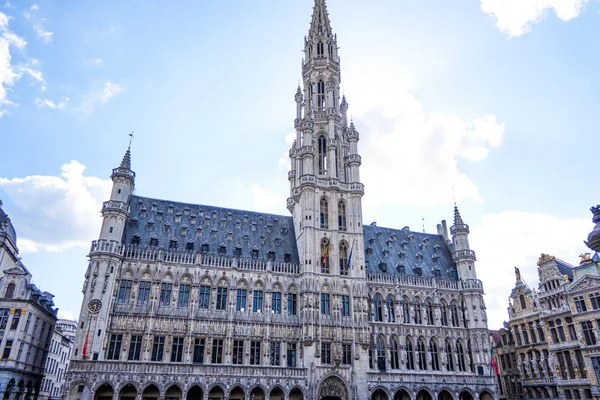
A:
(58, 358)
(184, 301)
(556, 329)
(27, 318)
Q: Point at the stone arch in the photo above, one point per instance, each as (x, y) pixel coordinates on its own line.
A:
(333, 387)
(424, 394)
(79, 388)
(466, 394)
(402, 394)
(205, 280)
(257, 393)
(127, 390)
(126, 273)
(223, 282)
(167, 277)
(242, 283)
(292, 288)
(380, 393)
(445, 394)
(237, 393)
(186, 278)
(296, 393)
(216, 391)
(173, 391)
(258, 284)
(277, 393)
(195, 392)
(104, 389)
(122, 385)
(485, 395)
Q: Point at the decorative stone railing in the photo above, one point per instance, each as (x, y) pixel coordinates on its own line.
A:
(411, 280)
(463, 254)
(115, 205)
(106, 246)
(456, 378)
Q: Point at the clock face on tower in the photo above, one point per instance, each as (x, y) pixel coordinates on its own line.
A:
(94, 305)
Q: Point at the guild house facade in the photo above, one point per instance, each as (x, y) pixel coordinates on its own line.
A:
(187, 301)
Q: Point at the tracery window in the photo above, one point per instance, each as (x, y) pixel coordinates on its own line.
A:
(184, 295)
(325, 304)
(237, 357)
(342, 216)
(454, 313)
(322, 156)
(143, 293)
(276, 302)
(320, 95)
(377, 309)
(444, 313)
(381, 354)
(221, 299)
(292, 304)
(449, 358)
(460, 353)
(204, 297)
(410, 357)
(421, 354)
(405, 311)
(343, 250)
(394, 359)
(433, 352)
(389, 309)
(124, 291)
(429, 312)
(257, 301)
(324, 214)
(417, 310)
(320, 49)
(345, 309)
(240, 301)
(324, 256)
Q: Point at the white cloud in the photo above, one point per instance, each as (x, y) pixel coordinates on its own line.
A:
(54, 213)
(41, 103)
(103, 95)
(34, 7)
(34, 73)
(421, 151)
(94, 62)
(265, 200)
(109, 91)
(284, 160)
(8, 75)
(516, 17)
(515, 238)
(46, 36)
(64, 314)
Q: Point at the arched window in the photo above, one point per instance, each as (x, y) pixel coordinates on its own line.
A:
(405, 311)
(454, 313)
(377, 309)
(421, 354)
(309, 53)
(460, 355)
(389, 309)
(324, 214)
(341, 215)
(395, 364)
(523, 304)
(320, 49)
(433, 352)
(429, 312)
(330, 50)
(344, 267)
(10, 291)
(380, 354)
(449, 358)
(322, 154)
(320, 95)
(324, 256)
(444, 313)
(410, 355)
(417, 308)
(470, 352)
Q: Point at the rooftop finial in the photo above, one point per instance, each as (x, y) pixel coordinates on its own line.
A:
(126, 162)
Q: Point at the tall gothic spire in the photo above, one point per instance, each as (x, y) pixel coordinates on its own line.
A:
(320, 25)
(126, 163)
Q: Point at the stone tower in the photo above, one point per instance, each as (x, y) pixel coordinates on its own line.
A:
(325, 203)
(105, 258)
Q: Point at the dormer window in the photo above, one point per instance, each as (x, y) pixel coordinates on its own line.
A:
(143, 212)
(402, 255)
(369, 251)
(418, 271)
(167, 227)
(229, 235)
(419, 256)
(150, 225)
(253, 226)
(222, 250)
(135, 239)
(437, 273)
(198, 232)
(284, 231)
(10, 291)
(371, 240)
(271, 256)
(183, 230)
(154, 207)
(204, 248)
(189, 246)
(246, 238)
(263, 239)
(320, 47)
(213, 233)
(170, 208)
(237, 251)
(178, 218)
(287, 257)
(186, 211)
(238, 224)
(386, 253)
(201, 213)
(223, 222)
(153, 242)
(435, 258)
(404, 244)
(269, 228)
(254, 254)
(173, 244)
(193, 219)
(277, 241)
(383, 267)
(401, 269)
(159, 216)
(229, 216)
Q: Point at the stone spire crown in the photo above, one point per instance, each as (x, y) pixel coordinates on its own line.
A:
(320, 25)
(124, 169)
(126, 162)
(459, 225)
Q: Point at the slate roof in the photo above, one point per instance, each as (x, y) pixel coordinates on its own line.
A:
(564, 268)
(404, 252)
(196, 225)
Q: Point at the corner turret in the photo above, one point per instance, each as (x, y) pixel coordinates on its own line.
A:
(462, 254)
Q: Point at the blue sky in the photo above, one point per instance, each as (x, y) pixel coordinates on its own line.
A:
(494, 99)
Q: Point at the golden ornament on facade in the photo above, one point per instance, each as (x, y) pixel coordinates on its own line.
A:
(585, 258)
(544, 258)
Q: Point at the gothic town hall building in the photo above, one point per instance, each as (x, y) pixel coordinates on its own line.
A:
(186, 301)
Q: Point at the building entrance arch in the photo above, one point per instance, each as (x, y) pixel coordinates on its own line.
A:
(333, 388)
